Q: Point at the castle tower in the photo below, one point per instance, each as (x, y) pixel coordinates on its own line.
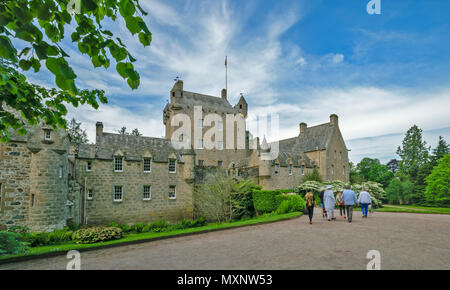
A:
(48, 178)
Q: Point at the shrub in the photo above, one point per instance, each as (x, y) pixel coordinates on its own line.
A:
(242, 199)
(11, 243)
(284, 207)
(139, 228)
(126, 228)
(199, 222)
(294, 202)
(96, 234)
(313, 176)
(58, 236)
(438, 182)
(264, 200)
(161, 224)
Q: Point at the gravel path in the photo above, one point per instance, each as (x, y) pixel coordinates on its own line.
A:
(404, 240)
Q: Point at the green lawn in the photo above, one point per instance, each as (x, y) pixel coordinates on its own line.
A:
(151, 235)
(411, 209)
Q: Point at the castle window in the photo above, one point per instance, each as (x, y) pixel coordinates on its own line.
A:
(147, 164)
(219, 163)
(118, 164)
(90, 194)
(32, 200)
(290, 169)
(172, 165)
(343, 169)
(60, 172)
(117, 193)
(172, 192)
(332, 169)
(47, 135)
(277, 168)
(89, 166)
(240, 106)
(335, 154)
(340, 155)
(173, 94)
(147, 193)
(200, 162)
(302, 170)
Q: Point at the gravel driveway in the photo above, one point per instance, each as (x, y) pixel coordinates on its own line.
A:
(404, 240)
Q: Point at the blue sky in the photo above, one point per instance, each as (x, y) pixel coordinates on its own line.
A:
(300, 59)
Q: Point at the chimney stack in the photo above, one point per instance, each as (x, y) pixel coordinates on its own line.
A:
(303, 127)
(334, 120)
(224, 94)
(99, 129)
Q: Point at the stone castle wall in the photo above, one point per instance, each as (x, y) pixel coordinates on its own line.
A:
(102, 179)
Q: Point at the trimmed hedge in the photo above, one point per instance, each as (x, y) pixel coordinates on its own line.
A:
(266, 200)
(295, 202)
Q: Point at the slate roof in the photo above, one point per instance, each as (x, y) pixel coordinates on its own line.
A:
(133, 148)
(297, 158)
(207, 102)
(314, 138)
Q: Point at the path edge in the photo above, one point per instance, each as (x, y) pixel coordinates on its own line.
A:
(59, 253)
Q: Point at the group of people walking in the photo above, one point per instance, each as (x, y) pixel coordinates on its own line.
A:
(345, 199)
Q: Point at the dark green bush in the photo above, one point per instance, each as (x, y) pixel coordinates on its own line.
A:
(295, 202)
(12, 243)
(264, 200)
(161, 224)
(96, 234)
(126, 228)
(139, 228)
(199, 222)
(284, 207)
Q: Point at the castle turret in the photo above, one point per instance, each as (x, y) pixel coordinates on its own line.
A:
(48, 178)
(177, 90)
(242, 106)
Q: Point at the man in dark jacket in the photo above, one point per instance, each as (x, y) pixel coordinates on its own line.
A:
(321, 201)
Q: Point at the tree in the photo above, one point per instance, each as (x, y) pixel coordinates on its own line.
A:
(76, 133)
(440, 151)
(392, 165)
(413, 152)
(354, 175)
(438, 182)
(122, 131)
(400, 192)
(136, 132)
(313, 176)
(40, 24)
(373, 170)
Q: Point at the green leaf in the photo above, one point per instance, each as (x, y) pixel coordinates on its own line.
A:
(145, 39)
(132, 24)
(121, 67)
(126, 8)
(25, 64)
(7, 50)
(133, 84)
(35, 64)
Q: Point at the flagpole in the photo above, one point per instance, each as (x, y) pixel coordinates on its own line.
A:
(226, 75)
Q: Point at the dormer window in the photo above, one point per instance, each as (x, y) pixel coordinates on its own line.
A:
(290, 169)
(302, 169)
(172, 165)
(147, 164)
(47, 135)
(118, 163)
(88, 166)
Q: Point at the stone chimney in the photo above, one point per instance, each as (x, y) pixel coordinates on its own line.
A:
(99, 129)
(303, 127)
(177, 90)
(224, 94)
(334, 119)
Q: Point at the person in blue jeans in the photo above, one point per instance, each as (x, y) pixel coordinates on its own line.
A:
(349, 198)
(364, 200)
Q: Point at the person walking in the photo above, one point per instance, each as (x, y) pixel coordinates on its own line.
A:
(364, 200)
(341, 204)
(350, 199)
(329, 202)
(321, 202)
(309, 203)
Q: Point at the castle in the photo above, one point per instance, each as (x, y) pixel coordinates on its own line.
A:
(46, 181)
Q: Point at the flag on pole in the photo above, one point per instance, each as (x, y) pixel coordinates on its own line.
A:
(225, 61)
